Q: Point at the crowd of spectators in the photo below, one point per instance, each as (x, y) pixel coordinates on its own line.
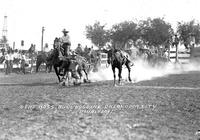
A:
(9, 57)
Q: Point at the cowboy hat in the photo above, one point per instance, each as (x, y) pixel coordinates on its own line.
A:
(65, 31)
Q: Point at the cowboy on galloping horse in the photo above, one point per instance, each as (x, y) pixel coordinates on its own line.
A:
(64, 45)
(117, 58)
(65, 54)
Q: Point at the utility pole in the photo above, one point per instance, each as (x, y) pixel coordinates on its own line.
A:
(42, 38)
(176, 53)
(169, 52)
(13, 45)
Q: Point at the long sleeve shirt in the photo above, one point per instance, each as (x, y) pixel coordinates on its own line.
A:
(65, 39)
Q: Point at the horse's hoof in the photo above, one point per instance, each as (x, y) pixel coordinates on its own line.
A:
(77, 83)
(88, 81)
(129, 81)
(62, 83)
(85, 80)
(121, 84)
(134, 81)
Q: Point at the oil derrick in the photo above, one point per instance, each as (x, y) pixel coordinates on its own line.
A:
(4, 40)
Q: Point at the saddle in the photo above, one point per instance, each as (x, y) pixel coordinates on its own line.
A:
(126, 57)
(61, 53)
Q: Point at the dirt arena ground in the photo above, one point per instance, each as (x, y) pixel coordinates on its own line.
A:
(35, 107)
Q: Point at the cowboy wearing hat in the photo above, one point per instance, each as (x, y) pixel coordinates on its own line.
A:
(65, 43)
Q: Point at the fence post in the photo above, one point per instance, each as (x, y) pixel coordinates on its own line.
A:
(176, 53)
(169, 53)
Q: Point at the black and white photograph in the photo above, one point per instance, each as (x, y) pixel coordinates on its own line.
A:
(99, 70)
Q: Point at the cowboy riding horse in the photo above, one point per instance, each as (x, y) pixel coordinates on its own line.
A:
(63, 66)
(117, 59)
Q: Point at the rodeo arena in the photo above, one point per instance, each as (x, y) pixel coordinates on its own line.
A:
(134, 93)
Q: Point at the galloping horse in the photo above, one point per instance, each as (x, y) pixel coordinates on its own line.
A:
(117, 59)
(75, 64)
(55, 61)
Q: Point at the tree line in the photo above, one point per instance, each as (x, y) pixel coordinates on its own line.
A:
(151, 32)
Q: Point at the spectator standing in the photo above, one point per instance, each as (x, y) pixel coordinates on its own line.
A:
(7, 64)
(79, 49)
(23, 62)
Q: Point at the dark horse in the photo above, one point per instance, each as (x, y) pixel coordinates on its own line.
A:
(56, 62)
(117, 59)
(42, 58)
(74, 64)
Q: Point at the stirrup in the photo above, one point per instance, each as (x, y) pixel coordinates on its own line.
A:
(131, 64)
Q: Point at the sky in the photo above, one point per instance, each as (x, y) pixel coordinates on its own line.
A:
(25, 18)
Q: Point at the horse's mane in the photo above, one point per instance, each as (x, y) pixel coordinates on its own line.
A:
(51, 54)
(118, 55)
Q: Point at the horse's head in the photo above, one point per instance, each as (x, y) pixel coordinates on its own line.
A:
(56, 43)
(52, 55)
(109, 56)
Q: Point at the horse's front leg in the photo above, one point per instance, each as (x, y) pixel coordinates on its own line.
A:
(65, 73)
(113, 69)
(120, 75)
(56, 71)
(86, 75)
(37, 66)
(129, 72)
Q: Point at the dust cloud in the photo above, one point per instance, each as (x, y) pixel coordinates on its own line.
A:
(142, 71)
